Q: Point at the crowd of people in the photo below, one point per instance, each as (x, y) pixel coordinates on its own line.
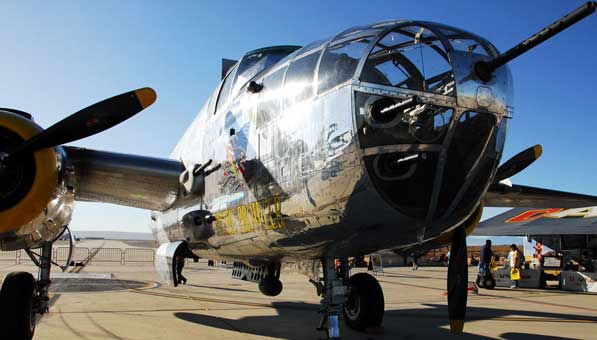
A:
(515, 262)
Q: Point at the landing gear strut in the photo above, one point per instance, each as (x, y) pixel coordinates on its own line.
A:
(23, 298)
(40, 295)
(359, 298)
(333, 291)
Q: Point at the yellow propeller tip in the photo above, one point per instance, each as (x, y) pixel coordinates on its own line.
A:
(538, 151)
(456, 326)
(146, 96)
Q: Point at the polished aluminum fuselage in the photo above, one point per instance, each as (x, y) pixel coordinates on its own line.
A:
(299, 186)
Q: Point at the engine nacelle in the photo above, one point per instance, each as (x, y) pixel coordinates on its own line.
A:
(35, 204)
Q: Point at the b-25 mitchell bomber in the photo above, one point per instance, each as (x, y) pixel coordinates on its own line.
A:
(385, 136)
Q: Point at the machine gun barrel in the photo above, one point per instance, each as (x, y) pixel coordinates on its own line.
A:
(484, 69)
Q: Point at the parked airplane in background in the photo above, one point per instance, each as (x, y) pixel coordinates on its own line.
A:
(381, 137)
(572, 232)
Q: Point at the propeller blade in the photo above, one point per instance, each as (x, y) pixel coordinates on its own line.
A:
(91, 120)
(518, 163)
(457, 281)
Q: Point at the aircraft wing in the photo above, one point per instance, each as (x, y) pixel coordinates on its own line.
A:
(135, 181)
(506, 195)
(550, 221)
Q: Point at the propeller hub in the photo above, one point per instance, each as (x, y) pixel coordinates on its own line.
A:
(28, 179)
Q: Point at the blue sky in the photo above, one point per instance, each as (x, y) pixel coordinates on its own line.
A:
(59, 57)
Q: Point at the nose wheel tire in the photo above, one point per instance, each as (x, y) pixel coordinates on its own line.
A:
(365, 305)
(16, 302)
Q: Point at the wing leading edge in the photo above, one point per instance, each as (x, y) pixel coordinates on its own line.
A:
(505, 195)
(547, 221)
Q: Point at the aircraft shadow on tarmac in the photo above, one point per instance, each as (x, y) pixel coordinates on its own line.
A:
(298, 321)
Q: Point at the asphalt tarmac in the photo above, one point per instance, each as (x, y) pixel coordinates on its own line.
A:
(127, 302)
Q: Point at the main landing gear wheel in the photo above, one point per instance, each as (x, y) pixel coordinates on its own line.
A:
(365, 305)
(16, 300)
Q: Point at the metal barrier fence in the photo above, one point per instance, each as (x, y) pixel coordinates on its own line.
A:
(79, 254)
(95, 255)
(9, 256)
(106, 255)
(138, 255)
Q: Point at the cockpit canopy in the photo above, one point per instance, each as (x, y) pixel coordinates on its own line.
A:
(409, 55)
(416, 56)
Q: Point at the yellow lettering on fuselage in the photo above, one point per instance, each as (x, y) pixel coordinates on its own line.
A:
(257, 216)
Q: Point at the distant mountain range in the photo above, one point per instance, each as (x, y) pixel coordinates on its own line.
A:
(113, 235)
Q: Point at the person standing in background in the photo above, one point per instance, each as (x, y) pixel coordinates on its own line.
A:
(485, 258)
(514, 259)
(413, 257)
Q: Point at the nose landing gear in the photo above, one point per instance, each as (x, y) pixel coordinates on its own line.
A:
(359, 298)
(23, 298)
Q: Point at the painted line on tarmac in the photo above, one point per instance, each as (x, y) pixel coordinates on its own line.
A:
(281, 305)
(113, 311)
(204, 299)
(149, 285)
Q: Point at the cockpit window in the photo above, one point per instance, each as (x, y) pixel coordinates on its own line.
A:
(464, 42)
(225, 90)
(340, 62)
(289, 57)
(253, 63)
(299, 78)
(412, 58)
(314, 45)
(270, 97)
